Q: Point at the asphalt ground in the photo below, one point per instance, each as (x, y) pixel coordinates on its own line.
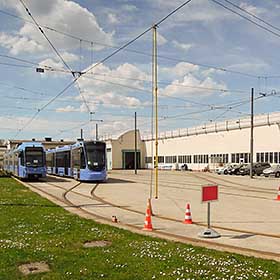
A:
(246, 213)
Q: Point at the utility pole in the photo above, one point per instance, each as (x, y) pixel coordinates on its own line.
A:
(252, 134)
(96, 131)
(156, 105)
(135, 143)
(91, 128)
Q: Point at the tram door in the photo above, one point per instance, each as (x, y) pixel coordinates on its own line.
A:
(66, 160)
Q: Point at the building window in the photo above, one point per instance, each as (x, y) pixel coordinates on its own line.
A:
(266, 157)
(170, 159)
(275, 157)
(246, 158)
(148, 159)
(160, 159)
(271, 157)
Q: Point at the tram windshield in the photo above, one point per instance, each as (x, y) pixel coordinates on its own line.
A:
(95, 155)
(34, 157)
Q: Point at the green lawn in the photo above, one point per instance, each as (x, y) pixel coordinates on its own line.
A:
(33, 229)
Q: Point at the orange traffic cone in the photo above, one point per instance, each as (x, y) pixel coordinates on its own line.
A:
(278, 195)
(148, 219)
(188, 216)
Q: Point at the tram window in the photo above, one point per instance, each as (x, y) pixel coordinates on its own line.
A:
(258, 157)
(262, 157)
(76, 158)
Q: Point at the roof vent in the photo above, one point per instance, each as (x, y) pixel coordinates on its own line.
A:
(33, 139)
(61, 140)
(48, 139)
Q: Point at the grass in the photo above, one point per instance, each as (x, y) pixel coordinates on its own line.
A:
(4, 173)
(33, 229)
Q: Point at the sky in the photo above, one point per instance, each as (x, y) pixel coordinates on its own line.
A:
(209, 58)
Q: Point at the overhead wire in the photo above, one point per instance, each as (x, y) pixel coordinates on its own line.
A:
(246, 18)
(46, 37)
(253, 15)
(64, 62)
(170, 83)
(219, 68)
(166, 95)
(94, 66)
(46, 67)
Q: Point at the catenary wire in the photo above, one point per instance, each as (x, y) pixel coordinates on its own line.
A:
(101, 61)
(223, 69)
(246, 18)
(254, 16)
(46, 37)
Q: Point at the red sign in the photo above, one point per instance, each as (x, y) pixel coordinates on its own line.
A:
(209, 193)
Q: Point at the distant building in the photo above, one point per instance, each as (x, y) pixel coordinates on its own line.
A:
(47, 142)
(216, 144)
(121, 151)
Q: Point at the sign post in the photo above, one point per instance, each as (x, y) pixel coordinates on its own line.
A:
(209, 193)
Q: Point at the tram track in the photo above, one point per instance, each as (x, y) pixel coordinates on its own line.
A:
(177, 220)
(167, 183)
(106, 202)
(157, 233)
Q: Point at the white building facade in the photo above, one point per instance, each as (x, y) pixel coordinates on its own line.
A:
(216, 144)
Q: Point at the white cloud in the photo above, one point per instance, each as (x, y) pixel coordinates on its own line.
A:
(129, 8)
(111, 99)
(66, 16)
(180, 69)
(102, 86)
(68, 108)
(20, 44)
(252, 9)
(161, 40)
(250, 67)
(70, 57)
(38, 125)
(113, 18)
(126, 74)
(190, 85)
(182, 46)
(189, 79)
(199, 10)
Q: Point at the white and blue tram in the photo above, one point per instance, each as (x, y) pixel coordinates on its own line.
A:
(26, 161)
(84, 161)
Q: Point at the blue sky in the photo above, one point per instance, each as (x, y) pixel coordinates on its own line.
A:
(202, 33)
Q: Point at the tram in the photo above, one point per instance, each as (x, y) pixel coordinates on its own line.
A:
(84, 161)
(26, 161)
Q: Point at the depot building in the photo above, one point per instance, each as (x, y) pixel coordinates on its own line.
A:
(203, 147)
